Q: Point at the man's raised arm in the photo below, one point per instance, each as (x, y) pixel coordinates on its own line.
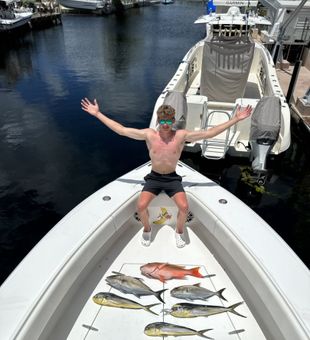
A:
(241, 113)
(93, 109)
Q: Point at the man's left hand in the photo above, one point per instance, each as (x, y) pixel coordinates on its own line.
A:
(244, 112)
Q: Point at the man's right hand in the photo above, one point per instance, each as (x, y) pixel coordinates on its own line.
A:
(89, 107)
(93, 109)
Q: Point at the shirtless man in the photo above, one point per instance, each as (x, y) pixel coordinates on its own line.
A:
(165, 147)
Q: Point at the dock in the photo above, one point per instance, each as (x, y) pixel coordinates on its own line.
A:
(300, 112)
(40, 19)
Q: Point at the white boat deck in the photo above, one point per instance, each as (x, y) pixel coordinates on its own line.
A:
(49, 295)
(100, 322)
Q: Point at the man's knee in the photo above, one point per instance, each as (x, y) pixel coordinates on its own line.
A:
(141, 206)
(183, 207)
(144, 201)
(181, 201)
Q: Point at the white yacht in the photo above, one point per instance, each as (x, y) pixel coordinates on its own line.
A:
(224, 70)
(11, 17)
(87, 5)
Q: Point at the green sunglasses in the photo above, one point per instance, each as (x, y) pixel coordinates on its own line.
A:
(166, 121)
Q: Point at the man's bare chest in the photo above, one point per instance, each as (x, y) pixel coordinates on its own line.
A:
(171, 146)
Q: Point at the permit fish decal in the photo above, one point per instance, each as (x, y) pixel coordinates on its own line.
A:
(195, 292)
(162, 217)
(190, 310)
(163, 329)
(166, 271)
(113, 300)
(132, 285)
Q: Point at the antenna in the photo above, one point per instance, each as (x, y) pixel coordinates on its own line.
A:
(247, 11)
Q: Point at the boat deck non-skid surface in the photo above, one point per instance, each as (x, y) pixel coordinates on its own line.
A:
(101, 322)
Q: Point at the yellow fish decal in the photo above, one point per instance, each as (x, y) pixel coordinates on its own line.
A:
(162, 217)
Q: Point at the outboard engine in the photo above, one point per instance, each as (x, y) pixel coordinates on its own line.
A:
(265, 129)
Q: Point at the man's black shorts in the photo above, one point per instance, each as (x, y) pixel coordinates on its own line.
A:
(169, 183)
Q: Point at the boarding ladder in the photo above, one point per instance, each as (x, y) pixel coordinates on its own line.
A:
(216, 147)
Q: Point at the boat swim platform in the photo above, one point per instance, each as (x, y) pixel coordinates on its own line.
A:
(101, 322)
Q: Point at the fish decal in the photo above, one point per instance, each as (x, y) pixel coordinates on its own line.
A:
(162, 217)
(195, 292)
(190, 310)
(132, 285)
(166, 271)
(168, 329)
(113, 300)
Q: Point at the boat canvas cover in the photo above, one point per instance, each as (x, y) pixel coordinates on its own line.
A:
(226, 64)
(266, 119)
(178, 101)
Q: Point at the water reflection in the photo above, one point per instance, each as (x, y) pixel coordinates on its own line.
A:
(15, 60)
(19, 231)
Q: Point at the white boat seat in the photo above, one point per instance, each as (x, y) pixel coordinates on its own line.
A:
(196, 108)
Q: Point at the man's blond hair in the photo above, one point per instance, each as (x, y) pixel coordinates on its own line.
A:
(165, 111)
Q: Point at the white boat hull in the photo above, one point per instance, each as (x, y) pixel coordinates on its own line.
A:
(49, 295)
(20, 20)
(90, 5)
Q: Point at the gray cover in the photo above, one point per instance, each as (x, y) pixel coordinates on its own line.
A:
(266, 119)
(178, 101)
(225, 67)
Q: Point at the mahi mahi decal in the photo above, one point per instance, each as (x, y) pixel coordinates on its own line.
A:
(163, 216)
